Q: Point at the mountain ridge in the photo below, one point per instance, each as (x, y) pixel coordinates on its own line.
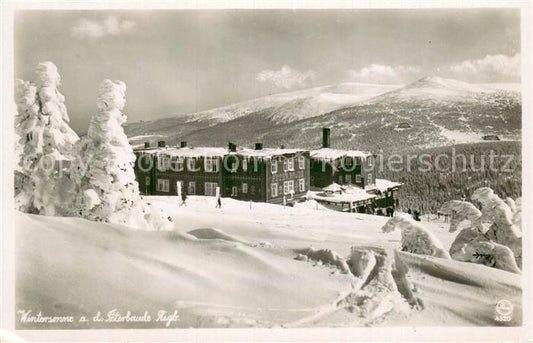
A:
(439, 112)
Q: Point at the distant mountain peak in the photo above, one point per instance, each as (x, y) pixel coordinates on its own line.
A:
(444, 83)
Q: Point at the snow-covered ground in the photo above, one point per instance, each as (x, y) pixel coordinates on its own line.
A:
(250, 265)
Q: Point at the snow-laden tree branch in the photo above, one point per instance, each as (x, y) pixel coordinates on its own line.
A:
(494, 237)
(415, 238)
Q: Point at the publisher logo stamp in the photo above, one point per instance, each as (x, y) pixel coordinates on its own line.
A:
(504, 311)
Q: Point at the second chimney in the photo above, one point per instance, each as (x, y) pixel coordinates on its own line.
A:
(258, 146)
(325, 137)
(146, 145)
(161, 144)
(232, 147)
(183, 144)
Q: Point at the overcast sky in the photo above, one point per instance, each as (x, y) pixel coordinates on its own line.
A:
(175, 62)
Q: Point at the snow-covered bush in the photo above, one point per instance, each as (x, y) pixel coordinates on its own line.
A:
(460, 211)
(104, 172)
(46, 140)
(415, 238)
(494, 237)
(473, 246)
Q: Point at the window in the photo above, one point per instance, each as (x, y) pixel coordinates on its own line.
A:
(244, 164)
(192, 187)
(348, 178)
(301, 162)
(245, 188)
(191, 164)
(274, 190)
(369, 161)
(274, 166)
(348, 161)
(210, 188)
(369, 177)
(288, 187)
(357, 178)
(178, 164)
(290, 164)
(301, 185)
(147, 180)
(163, 185)
(234, 191)
(211, 164)
(163, 162)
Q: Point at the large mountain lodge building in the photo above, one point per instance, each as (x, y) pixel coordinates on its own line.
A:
(264, 175)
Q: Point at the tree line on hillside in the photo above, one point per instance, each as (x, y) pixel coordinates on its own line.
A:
(426, 190)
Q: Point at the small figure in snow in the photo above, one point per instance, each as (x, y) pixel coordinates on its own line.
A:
(390, 212)
(183, 199)
(219, 203)
(416, 215)
(463, 197)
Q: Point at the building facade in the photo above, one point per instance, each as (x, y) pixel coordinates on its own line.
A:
(343, 167)
(262, 175)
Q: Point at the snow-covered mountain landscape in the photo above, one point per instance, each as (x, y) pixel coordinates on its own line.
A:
(343, 169)
(437, 111)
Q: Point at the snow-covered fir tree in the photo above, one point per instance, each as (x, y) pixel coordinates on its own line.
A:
(47, 139)
(107, 187)
(29, 137)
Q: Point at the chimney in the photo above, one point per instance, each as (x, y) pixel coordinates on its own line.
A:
(161, 144)
(282, 146)
(183, 144)
(232, 147)
(258, 146)
(325, 137)
(146, 145)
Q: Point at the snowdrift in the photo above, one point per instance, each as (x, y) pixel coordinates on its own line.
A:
(75, 266)
(213, 278)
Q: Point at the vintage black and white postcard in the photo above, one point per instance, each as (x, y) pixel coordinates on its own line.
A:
(325, 173)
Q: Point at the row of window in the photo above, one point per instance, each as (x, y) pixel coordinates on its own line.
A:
(288, 187)
(212, 164)
(348, 178)
(288, 164)
(163, 185)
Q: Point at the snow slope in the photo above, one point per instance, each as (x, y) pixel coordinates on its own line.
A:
(237, 267)
(297, 105)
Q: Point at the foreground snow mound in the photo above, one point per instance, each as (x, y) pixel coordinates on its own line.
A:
(325, 256)
(215, 234)
(494, 246)
(415, 238)
(378, 293)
